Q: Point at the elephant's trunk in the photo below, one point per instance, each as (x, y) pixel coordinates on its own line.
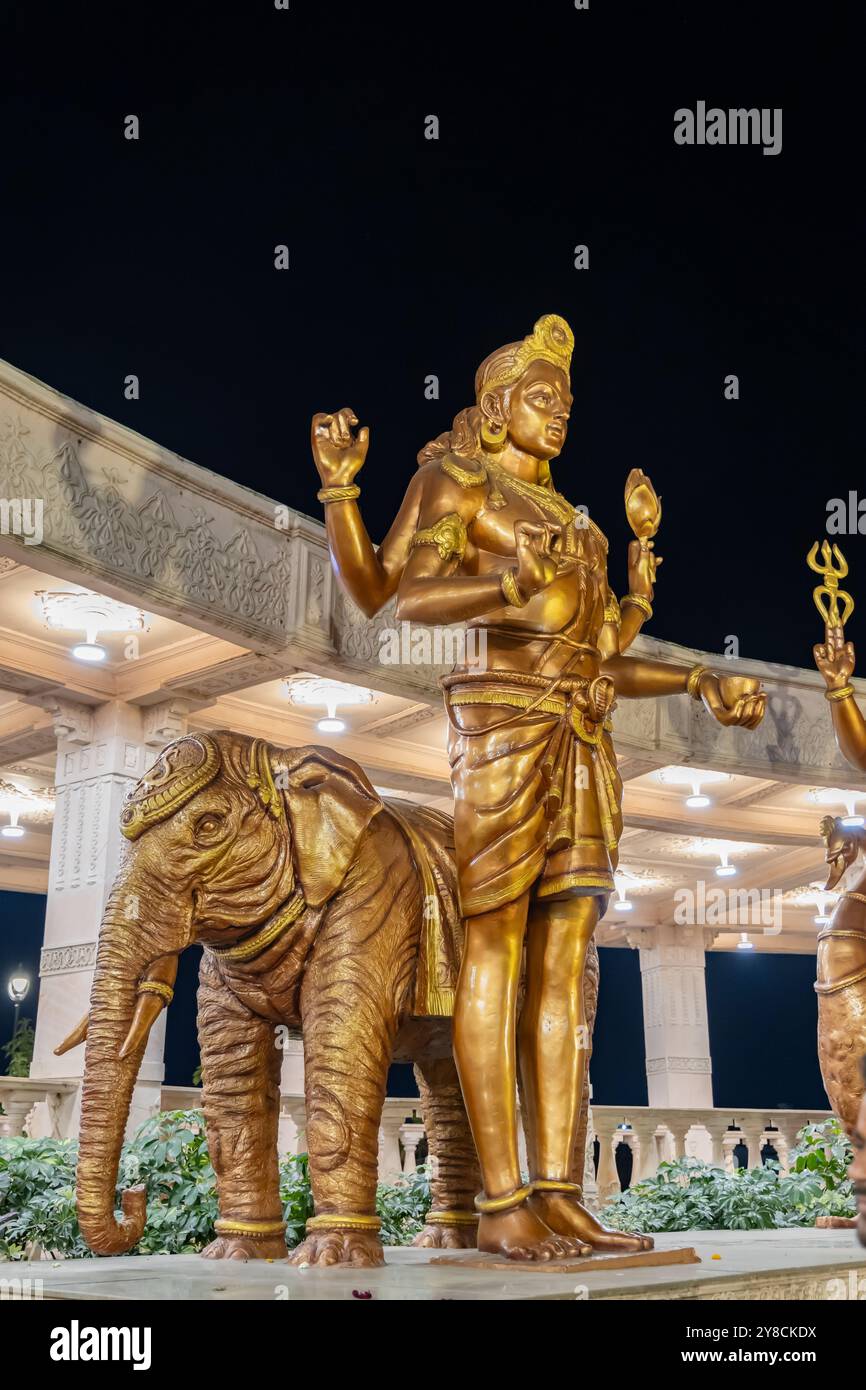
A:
(116, 1040)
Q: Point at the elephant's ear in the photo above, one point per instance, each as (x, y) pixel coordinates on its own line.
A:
(330, 803)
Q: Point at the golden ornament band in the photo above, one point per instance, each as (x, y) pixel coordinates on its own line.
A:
(157, 987)
(349, 1221)
(488, 1205)
(255, 1229)
(861, 897)
(638, 601)
(841, 694)
(694, 681)
(555, 1185)
(448, 536)
(339, 494)
(265, 936)
(451, 1218)
(510, 591)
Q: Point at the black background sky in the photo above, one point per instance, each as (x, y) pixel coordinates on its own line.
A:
(410, 257)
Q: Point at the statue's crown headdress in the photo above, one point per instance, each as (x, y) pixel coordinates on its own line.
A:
(551, 340)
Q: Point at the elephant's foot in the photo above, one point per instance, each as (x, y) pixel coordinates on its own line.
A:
(363, 1249)
(443, 1234)
(563, 1213)
(520, 1234)
(246, 1248)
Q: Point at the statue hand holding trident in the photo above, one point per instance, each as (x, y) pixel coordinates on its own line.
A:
(834, 657)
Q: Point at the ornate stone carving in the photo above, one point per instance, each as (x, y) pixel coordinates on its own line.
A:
(72, 721)
(62, 960)
(164, 722)
(655, 1065)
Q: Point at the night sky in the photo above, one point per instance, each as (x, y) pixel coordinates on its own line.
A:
(409, 256)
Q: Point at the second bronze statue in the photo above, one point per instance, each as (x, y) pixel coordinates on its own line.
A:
(483, 537)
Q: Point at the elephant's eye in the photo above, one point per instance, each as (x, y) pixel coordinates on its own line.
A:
(209, 826)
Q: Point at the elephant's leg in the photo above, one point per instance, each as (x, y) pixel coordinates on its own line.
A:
(348, 1043)
(452, 1222)
(241, 1092)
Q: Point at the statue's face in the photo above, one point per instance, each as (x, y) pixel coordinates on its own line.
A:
(538, 411)
(857, 1171)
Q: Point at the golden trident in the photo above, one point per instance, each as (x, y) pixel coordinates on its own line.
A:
(829, 591)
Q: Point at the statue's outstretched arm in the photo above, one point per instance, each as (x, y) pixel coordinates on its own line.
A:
(369, 575)
(834, 658)
(730, 699)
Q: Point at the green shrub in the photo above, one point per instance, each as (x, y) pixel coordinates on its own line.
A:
(19, 1049)
(169, 1156)
(690, 1195)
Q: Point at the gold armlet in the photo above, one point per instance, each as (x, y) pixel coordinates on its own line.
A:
(638, 601)
(339, 494)
(448, 535)
(694, 681)
(512, 594)
(511, 1199)
(256, 1230)
(841, 694)
(165, 992)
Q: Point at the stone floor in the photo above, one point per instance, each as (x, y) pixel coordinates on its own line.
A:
(801, 1264)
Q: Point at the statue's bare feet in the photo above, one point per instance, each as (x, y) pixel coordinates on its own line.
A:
(245, 1248)
(363, 1249)
(565, 1215)
(437, 1235)
(520, 1234)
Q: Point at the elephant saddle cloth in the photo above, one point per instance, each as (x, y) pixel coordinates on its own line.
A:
(537, 794)
(430, 836)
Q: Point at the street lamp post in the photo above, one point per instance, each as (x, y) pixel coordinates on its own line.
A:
(18, 988)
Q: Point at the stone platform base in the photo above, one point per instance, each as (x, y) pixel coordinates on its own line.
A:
(792, 1265)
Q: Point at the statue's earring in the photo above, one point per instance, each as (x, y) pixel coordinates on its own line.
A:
(493, 440)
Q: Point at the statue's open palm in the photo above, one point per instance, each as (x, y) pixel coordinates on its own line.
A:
(338, 454)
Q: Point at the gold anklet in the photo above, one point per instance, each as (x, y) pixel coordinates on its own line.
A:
(555, 1185)
(346, 1221)
(488, 1205)
(451, 1218)
(256, 1229)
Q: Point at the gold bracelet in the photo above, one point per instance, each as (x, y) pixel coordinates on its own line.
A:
(638, 601)
(339, 494)
(165, 992)
(513, 597)
(841, 694)
(694, 681)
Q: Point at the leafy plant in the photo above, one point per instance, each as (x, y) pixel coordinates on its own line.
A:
(19, 1049)
(169, 1156)
(689, 1195)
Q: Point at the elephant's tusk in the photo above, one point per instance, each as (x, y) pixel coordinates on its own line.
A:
(155, 991)
(78, 1034)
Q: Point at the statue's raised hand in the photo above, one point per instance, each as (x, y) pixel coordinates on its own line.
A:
(338, 454)
(834, 658)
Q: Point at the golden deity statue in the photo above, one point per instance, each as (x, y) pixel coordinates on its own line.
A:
(483, 537)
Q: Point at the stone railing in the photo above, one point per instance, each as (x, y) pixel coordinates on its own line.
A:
(19, 1094)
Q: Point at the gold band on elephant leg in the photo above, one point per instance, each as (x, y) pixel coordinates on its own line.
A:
(488, 1205)
(345, 1221)
(574, 1189)
(451, 1218)
(256, 1230)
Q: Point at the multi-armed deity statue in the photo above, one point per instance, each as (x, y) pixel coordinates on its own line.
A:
(483, 537)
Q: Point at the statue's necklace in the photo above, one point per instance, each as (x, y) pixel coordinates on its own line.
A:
(546, 502)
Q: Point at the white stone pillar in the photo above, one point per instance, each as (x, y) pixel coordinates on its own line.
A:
(678, 1066)
(410, 1137)
(753, 1138)
(390, 1162)
(101, 752)
(607, 1179)
(647, 1161)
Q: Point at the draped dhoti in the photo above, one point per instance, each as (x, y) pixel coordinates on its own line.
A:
(537, 794)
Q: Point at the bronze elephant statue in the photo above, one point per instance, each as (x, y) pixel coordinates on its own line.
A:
(323, 907)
